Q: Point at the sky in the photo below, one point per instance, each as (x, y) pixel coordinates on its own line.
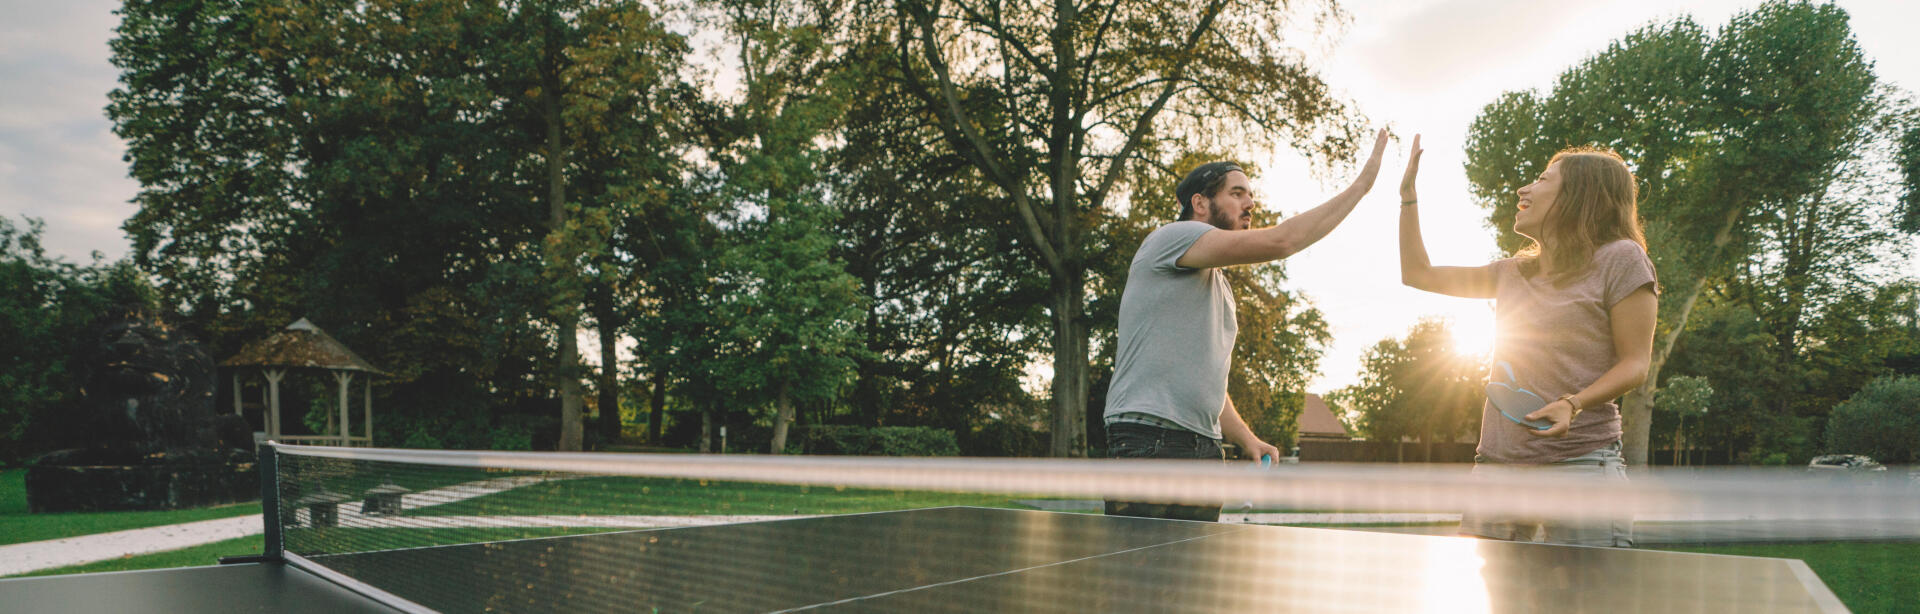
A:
(1418, 66)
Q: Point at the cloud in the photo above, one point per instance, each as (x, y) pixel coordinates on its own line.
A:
(1439, 45)
(59, 160)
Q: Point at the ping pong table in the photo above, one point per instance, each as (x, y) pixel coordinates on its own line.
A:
(958, 559)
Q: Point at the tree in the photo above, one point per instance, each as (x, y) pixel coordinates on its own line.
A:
(1881, 421)
(1050, 103)
(1416, 387)
(1909, 160)
(789, 307)
(1723, 133)
(46, 304)
(392, 166)
(952, 311)
(1684, 396)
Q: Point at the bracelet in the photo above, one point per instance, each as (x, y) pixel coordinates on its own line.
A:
(1573, 402)
(1406, 203)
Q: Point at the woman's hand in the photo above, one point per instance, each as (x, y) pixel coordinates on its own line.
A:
(1407, 195)
(1560, 413)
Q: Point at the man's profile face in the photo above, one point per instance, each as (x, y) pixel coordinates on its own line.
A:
(1231, 208)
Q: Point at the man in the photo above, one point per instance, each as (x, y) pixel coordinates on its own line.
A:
(1169, 393)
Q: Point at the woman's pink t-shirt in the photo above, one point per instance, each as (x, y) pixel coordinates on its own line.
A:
(1559, 339)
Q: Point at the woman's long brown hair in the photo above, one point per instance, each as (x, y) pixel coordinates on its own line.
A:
(1597, 204)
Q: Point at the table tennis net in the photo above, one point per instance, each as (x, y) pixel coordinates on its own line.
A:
(445, 529)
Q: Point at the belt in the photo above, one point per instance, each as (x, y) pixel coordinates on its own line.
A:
(1135, 417)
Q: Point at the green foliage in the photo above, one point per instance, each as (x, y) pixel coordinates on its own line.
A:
(1881, 421)
(1909, 160)
(1685, 395)
(878, 441)
(953, 309)
(1416, 387)
(422, 439)
(384, 169)
(47, 306)
(1003, 438)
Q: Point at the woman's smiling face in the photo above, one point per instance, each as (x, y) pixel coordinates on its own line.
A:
(1536, 199)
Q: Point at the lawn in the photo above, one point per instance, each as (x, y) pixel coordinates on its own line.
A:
(18, 526)
(1867, 576)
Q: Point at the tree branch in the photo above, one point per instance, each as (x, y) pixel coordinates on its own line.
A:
(1118, 164)
(1022, 203)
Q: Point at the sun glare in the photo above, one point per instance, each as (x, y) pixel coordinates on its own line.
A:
(1473, 334)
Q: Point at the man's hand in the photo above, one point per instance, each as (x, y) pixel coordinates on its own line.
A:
(1407, 194)
(1257, 448)
(1560, 413)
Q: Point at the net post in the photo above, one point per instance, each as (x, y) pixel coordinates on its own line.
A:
(269, 463)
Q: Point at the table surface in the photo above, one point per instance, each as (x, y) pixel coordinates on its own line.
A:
(961, 559)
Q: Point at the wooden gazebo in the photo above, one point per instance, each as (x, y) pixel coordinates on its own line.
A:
(304, 346)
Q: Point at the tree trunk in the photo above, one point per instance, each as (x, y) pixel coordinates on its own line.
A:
(706, 430)
(1636, 411)
(570, 395)
(1069, 371)
(609, 397)
(657, 417)
(781, 420)
(1676, 440)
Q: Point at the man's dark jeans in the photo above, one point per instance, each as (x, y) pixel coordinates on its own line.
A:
(1133, 440)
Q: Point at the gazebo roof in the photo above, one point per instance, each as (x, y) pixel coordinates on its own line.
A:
(301, 345)
(1317, 421)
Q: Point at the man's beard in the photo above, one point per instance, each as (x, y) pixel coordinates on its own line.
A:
(1222, 221)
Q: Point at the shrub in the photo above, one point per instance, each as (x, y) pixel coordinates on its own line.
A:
(882, 441)
(1003, 438)
(1882, 420)
(914, 441)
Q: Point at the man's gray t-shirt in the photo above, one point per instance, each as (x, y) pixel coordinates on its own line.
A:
(1177, 329)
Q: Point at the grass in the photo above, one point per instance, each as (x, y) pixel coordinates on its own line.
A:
(1867, 576)
(18, 526)
(668, 496)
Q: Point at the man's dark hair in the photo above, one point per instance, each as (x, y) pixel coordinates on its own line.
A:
(1205, 180)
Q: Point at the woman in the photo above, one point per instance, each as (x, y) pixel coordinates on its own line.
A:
(1574, 315)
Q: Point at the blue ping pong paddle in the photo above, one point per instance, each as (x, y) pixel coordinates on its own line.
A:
(1515, 402)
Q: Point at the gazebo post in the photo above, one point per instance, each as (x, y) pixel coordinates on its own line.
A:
(368, 405)
(345, 378)
(236, 393)
(273, 401)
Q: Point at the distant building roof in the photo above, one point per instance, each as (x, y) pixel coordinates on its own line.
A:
(300, 345)
(1316, 421)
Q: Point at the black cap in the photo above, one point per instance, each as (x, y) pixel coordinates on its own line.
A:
(1197, 181)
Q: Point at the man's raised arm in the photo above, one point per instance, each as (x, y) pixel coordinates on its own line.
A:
(1220, 248)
